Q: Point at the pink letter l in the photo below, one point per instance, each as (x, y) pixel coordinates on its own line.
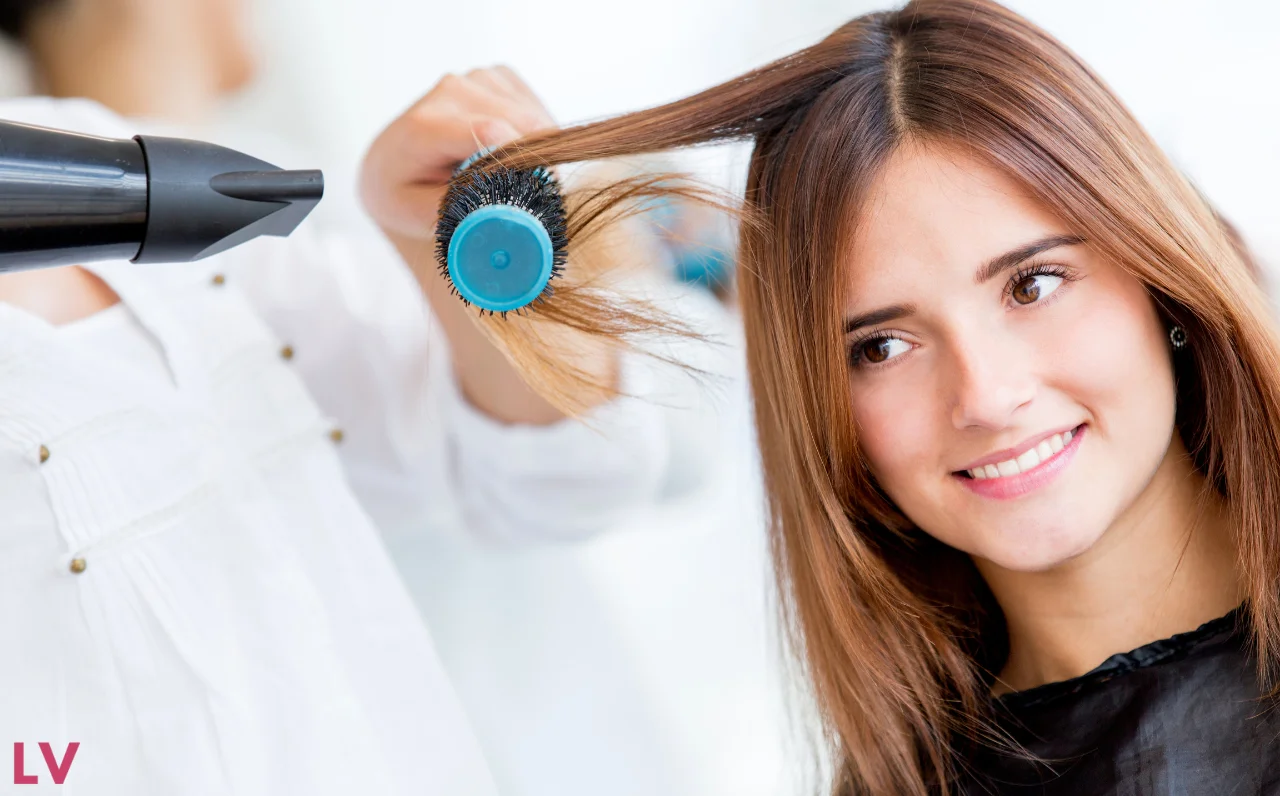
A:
(20, 776)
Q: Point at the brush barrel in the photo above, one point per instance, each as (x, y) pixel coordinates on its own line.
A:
(500, 258)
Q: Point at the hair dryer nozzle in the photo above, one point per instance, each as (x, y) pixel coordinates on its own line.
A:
(205, 199)
(270, 186)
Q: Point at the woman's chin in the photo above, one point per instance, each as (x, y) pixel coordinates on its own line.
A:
(1030, 549)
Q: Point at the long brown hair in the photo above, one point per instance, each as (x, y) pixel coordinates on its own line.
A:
(899, 635)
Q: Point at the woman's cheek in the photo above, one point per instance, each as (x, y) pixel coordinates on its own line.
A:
(895, 428)
(1108, 352)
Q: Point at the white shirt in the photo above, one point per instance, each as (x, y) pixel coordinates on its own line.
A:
(191, 584)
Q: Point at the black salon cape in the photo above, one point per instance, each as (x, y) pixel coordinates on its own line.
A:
(1178, 717)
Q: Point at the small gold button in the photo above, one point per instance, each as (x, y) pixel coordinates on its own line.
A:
(44, 454)
(78, 565)
(336, 435)
(287, 352)
(219, 279)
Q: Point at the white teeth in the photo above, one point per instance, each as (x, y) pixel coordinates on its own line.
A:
(1008, 468)
(1032, 458)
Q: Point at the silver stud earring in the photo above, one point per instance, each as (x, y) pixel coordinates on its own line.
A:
(1177, 337)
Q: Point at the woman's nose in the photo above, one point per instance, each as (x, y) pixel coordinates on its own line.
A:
(991, 380)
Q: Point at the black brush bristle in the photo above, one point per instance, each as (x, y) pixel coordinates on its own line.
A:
(534, 190)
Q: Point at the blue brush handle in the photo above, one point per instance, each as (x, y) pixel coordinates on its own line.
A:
(500, 258)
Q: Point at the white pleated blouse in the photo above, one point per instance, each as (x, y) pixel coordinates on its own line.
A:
(192, 586)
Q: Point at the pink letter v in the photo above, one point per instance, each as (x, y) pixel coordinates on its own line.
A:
(59, 770)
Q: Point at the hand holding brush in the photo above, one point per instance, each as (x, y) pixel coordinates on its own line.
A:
(404, 179)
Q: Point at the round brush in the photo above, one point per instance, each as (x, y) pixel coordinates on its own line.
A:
(501, 235)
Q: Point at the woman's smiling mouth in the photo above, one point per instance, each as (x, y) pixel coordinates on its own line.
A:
(1003, 475)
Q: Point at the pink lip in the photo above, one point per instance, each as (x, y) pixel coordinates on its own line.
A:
(1013, 486)
(1014, 452)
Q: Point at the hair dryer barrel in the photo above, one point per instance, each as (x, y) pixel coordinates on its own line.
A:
(68, 198)
(65, 198)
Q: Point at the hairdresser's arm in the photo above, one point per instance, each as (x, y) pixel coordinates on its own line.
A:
(377, 364)
(402, 183)
(414, 447)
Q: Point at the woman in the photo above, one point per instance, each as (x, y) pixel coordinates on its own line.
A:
(440, 478)
(171, 60)
(193, 459)
(1018, 401)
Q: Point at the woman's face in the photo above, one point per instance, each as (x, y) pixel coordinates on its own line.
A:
(211, 36)
(223, 34)
(1013, 390)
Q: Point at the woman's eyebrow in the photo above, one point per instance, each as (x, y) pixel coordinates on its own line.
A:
(1011, 258)
(985, 273)
(881, 315)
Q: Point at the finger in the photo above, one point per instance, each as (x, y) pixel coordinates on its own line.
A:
(498, 83)
(465, 96)
(420, 182)
(505, 79)
(510, 76)
(427, 147)
(493, 133)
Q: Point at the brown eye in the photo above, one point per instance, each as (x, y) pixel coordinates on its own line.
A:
(878, 350)
(1034, 287)
(1027, 290)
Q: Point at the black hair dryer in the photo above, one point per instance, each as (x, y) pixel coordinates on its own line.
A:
(69, 198)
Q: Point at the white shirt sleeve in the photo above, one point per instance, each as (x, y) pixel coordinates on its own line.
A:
(361, 334)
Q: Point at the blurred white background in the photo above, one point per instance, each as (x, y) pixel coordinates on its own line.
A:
(643, 662)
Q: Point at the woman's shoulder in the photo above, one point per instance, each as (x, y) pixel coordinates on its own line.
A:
(1211, 640)
(1175, 715)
